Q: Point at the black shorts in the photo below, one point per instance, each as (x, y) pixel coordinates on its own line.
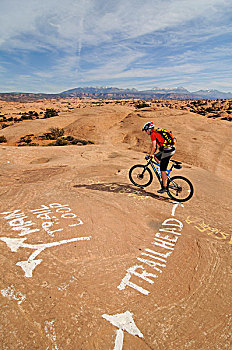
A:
(164, 157)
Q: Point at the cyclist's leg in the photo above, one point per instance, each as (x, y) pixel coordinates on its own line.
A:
(157, 157)
(163, 167)
(165, 157)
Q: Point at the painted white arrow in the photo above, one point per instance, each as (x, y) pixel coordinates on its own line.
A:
(176, 204)
(13, 243)
(30, 264)
(124, 322)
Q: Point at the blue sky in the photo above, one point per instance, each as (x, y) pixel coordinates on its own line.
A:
(53, 45)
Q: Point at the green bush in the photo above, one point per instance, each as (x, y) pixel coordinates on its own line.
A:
(56, 132)
(50, 112)
(70, 138)
(76, 141)
(227, 118)
(53, 134)
(26, 139)
(4, 125)
(26, 117)
(142, 105)
(3, 139)
(60, 142)
(16, 120)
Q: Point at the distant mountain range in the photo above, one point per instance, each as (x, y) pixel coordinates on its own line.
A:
(178, 93)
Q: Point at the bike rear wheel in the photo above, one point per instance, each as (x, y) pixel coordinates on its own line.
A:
(140, 176)
(180, 188)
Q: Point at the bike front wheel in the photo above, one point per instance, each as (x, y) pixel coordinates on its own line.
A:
(180, 188)
(140, 176)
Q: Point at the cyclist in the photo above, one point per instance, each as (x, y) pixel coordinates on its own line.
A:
(164, 154)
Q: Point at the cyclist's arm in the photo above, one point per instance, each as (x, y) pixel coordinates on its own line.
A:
(157, 160)
(153, 148)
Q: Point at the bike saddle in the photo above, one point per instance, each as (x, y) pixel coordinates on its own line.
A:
(176, 162)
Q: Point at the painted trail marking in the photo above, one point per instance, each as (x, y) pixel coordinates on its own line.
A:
(201, 226)
(124, 322)
(164, 241)
(64, 285)
(164, 248)
(30, 264)
(47, 216)
(12, 294)
(176, 204)
(51, 334)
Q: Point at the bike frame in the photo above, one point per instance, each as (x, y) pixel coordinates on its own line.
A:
(156, 168)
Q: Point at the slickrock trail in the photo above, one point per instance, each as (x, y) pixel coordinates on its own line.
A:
(88, 261)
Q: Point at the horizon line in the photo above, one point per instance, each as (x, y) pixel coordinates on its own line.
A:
(113, 87)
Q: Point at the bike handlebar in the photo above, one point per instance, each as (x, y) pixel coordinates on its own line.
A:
(150, 159)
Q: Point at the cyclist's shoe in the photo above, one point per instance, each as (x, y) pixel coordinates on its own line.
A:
(162, 190)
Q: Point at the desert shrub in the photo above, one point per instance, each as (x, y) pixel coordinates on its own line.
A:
(70, 138)
(46, 136)
(4, 125)
(142, 105)
(82, 142)
(227, 118)
(26, 139)
(29, 115)
(56, 132)
(26, 116)
(53, 134)
(60, 142)
(50, 112)
(3, 139)
(214, 116)
(33, 113)
(17, 119)
(74, 141)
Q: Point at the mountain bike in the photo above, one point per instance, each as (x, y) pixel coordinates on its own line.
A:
(179, 188)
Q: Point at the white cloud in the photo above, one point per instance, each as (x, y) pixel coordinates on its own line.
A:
(63, 24)
(106, 73)
(96, 40)
(44, 75)
(2, 69)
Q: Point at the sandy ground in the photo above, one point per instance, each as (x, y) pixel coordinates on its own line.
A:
(89, 261)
